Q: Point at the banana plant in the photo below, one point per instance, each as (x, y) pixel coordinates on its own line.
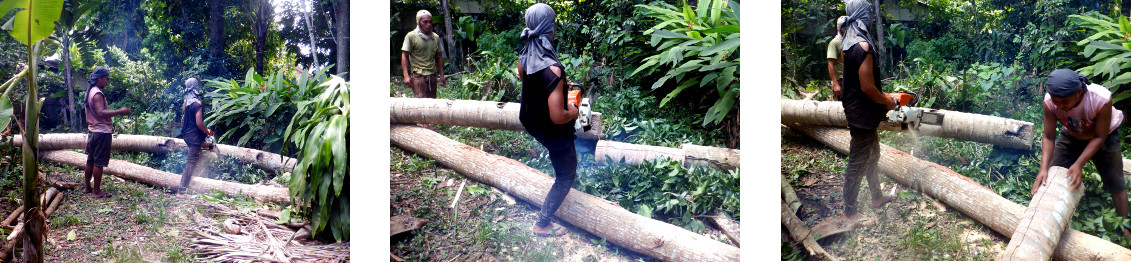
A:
(34, 22)
(1109, 48)
(698, 49)
(319, 184)
(74, 39)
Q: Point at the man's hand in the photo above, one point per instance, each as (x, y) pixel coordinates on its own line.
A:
(209, 132)
(1040, 180)
(407, 80)
(890, 104)
(1076, 173)
(836, 91)
(443, 80)
(126, 109)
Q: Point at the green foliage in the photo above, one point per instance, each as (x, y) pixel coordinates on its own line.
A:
(667, 188)
(790, 254)
(631, 116)
(708, 38)
(257, 109)
(320, 132)
(1108, 48)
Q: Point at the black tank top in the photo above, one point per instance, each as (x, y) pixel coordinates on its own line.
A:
(535, 111)
(859, 110)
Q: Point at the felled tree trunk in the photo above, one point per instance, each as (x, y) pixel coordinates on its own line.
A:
(969, 197)
(789, 196)
(958, 125)
(471, 113)
(689, 154)
(158, 144)
(150, 176)
(598, 216)
(1046, 218)
(800, 233)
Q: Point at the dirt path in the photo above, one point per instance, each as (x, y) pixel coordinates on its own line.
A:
(913, 227)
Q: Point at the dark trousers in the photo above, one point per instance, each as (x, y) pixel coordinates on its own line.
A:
(564, 159)
(863, 156)
(193, 155)
(1108, 159)
(424, 86)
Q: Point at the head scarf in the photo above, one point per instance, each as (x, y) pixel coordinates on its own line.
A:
(856, 26)
(192, 91)
(840, 23)
(1065, 82)
(421, 14)
(537, 51)
(98, 73)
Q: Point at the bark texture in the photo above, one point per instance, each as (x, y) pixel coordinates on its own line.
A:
(969, 197)
(729, 227)
(471, 113)
(958, 125)
(1045, 219)
(150, 176)
(157, 144)
(799, 232)
(688, 154)
(789, 196)
(598, 216)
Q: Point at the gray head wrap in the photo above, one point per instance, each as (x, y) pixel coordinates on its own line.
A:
(420, 14)
(98, 73)
(192, 91)
(1065, 82)
(856, 27)
(537, 52)
(840, 23)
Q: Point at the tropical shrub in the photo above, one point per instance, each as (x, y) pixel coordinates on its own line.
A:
(697, 48)
(1109, 49)
(319, 184)
(257, 109)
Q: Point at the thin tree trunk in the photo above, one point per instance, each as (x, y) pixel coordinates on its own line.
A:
(958, 125)
(216, 38)
(598, 216)
(969, 197)
(880, 33)
(310, 31)
(1045, 219)
(35, 221)
(70, 112)
(448, 33)
(154, 177)
(157, 144)
(688, 154)
(789, 196)
(342, 9)
(471, 113)
(800, 233)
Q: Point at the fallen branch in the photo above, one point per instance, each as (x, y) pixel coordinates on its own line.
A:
(789, 196)
(968, 197)
(800, 233)
(18, 232)
(598, 216)
(688, 154)
(154, 177)
(728, 226)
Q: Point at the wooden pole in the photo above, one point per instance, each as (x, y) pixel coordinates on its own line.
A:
(601, 217)
(969, 197)
(470, 113)
(1046, 218)
(1000, 131)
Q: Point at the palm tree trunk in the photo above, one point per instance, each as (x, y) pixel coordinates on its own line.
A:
(1046, 218)
(471, 113)
(689, 154)
(157, 144)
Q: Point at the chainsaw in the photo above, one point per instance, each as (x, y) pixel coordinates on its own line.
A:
(584, 109)
(906, 115)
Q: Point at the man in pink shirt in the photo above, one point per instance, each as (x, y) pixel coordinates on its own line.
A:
(1089, 133)
(98, 122)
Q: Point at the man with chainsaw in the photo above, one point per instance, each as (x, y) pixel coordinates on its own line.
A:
(836, 58)
(192, 130)
(865, 105)
(545, 112)
(1089, 133)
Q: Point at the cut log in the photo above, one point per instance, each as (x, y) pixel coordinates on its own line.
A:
(800, 233)
(45, 200)
(1046, 218)
(154, 177)
(728, 226)
(1000, 131)
(789, 196)
(597, 216)
(689, 154)
(470, 113)
(968, 197)
(401, 224)
(157, 144)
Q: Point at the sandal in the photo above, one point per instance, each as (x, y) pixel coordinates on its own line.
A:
(555, 231)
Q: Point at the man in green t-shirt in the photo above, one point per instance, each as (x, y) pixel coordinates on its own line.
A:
(835, 56)
(421, 58)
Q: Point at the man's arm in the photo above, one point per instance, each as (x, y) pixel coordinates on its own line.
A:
(832, 76)
(102, 111)
(440, 68)
(1101, 127)
(404, 67)
(200, 121)
(557, 114)
(1048, 142)
(868, 83)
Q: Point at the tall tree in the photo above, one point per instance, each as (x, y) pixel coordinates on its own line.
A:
(68, 33)
(308, 17)
(216, 36)
(260, 13)
(342, 29)
(447, 33)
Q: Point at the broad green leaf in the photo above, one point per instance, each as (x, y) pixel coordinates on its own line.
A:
(727, 46)
(647, 65)
(719, 111)
(716, 66)
(6, 111)
(725, 78)
(36, 21)
(672, 95)
(723, 29)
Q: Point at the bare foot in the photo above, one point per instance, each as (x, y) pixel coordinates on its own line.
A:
(549, 231)
(877, 203)
(86, 190)
(101, 194)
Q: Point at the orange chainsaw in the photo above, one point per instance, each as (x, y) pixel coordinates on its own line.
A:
(906, 115)
(584, 111)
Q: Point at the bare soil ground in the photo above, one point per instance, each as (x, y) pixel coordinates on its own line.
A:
(913, 227)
